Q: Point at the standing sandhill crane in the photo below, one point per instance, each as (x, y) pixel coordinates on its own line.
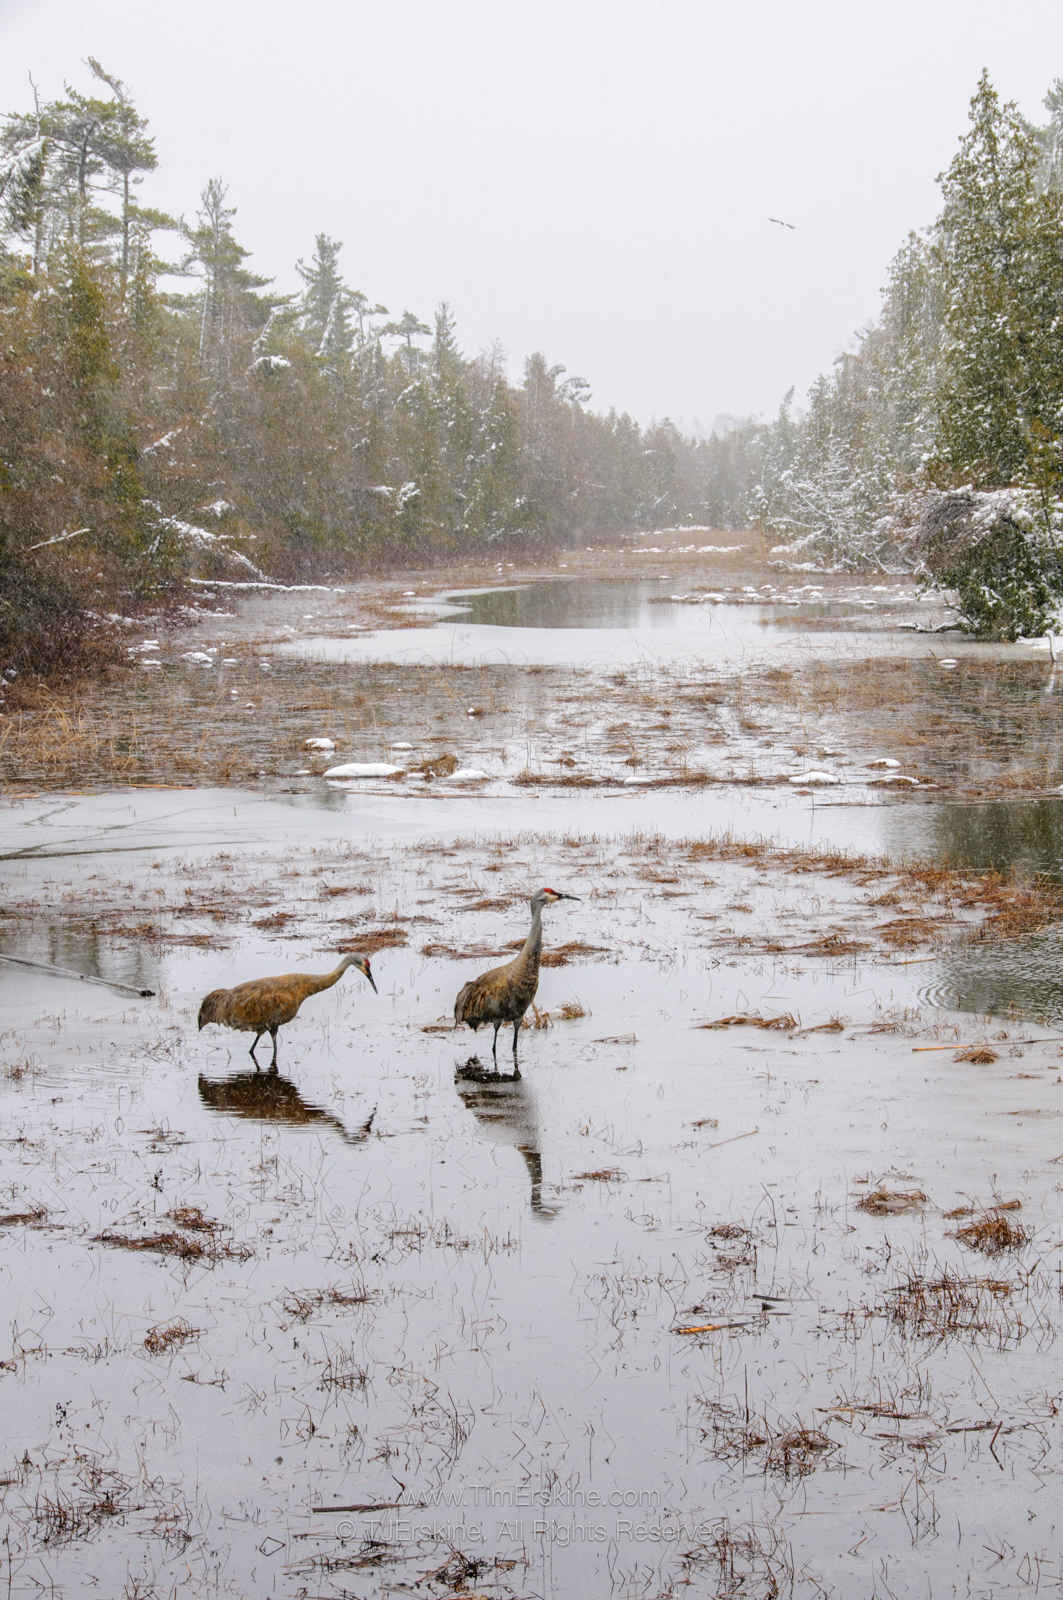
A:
(505, 993)
(265, 1004)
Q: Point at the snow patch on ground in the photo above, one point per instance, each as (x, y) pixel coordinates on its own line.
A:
(363, 769)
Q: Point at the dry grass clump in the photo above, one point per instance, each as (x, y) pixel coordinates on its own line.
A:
(904, 933)
(571, 780)
(742, 1561)
(30, 1218)
(784, 1023)
(1013, 908)
(192, 1217)
(980, 1054)
(342, 1371)
(792, 1451)
(167, 1244)
(453, 952)
(437, 767)
(729, 1230)
(952, 1305)
(299, 1305)
(19, 1071)
(374, 939)
(163, 1338)
(882, 1202)
(208, 1247)
(832, 944)
(559, 955)
(970, 1210)
(994, 1233)
(99, 1494)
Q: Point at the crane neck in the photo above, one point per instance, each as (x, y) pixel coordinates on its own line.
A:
(533, 944)
(327, 979)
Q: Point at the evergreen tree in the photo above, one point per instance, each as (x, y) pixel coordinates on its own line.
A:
(230, 306)
(1002, 272)
(408, 328)
(1050, 139)
(327, 304)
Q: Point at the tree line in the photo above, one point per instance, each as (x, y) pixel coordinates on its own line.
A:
(167, 413)
(936, 442)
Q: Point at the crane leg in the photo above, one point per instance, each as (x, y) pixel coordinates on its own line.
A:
(273, 1036)
(516, 1030)
(254, 1041)
(494, 1044)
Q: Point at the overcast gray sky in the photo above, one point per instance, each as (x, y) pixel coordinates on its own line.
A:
(589, 178)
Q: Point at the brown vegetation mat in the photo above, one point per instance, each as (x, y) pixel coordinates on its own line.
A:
(28, 1219)
(898, 704)
(953, 1304)
(162, 1339)
(168, 1244)
(748, 1019)
(993, 1234)
(478, 952)
(1009, 908)
(883, 1202)
(374, 939)
(171, 1243)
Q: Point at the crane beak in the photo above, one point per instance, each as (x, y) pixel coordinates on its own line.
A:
(566, 896)
(369, 975)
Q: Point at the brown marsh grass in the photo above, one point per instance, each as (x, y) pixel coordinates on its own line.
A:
(994, 1234)
(166, 1337)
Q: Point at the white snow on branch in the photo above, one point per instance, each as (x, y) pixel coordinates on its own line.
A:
(164, 443)
(203, 539)
(267, 583)
(269, 364)
(60, 538)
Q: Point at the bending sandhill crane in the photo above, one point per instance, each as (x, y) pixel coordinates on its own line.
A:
(505, 993)
(265, 1004)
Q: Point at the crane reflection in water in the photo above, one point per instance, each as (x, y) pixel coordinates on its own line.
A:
(505, 1110)
(270, 1097)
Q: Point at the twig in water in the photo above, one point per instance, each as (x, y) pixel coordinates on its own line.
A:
(82, 977)
(718, 1142)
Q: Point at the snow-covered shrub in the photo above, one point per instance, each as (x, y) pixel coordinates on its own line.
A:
(999, 551)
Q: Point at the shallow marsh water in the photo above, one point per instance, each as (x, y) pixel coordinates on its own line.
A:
(621, 1327)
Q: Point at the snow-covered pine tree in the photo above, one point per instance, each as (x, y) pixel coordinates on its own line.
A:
(327, 304)
(998, 250)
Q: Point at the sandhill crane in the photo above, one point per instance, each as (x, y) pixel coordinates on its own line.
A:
(265, 1004)
(505, 993)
